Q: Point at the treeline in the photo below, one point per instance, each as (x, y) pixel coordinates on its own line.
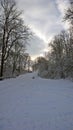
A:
(58, 63)
(14, 36)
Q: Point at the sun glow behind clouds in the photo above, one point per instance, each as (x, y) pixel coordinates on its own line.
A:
(38, 33)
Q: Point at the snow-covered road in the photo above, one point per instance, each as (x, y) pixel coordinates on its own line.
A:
(36, 104)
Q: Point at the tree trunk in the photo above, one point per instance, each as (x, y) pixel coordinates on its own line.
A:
(2, 63)
(3, 53)
(14, 67)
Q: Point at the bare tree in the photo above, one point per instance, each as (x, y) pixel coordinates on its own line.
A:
(12, 29)
(69, 14)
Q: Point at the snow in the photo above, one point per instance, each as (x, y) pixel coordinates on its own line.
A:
(36, 104)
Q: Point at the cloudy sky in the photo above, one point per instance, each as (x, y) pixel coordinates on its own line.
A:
(45, 18)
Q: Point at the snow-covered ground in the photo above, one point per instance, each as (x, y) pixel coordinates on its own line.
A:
(36, 104)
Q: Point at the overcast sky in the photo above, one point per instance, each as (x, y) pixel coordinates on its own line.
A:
(45, 17)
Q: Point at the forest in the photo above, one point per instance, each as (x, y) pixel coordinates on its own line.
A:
(15, 36)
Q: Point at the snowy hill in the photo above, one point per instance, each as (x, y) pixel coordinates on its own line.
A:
(36, 104)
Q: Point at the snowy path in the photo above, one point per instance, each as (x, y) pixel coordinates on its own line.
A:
(36, 104)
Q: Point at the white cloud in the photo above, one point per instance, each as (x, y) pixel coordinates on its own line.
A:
(62, 6)
(45, 19)
(36, 46)
(41, 15)
(38, 33)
